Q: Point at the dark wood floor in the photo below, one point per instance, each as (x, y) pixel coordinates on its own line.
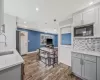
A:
(36, 70)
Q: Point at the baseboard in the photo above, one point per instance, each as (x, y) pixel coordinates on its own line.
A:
(29, 53)
(32, 52)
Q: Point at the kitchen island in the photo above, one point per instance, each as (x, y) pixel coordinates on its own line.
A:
(10, 65)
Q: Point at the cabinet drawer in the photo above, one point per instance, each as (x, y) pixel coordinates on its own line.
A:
(78, 55)
(89, 58)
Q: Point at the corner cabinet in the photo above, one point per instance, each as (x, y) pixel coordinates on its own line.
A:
(84, 66)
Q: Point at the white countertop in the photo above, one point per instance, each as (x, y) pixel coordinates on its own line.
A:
(7, 61)
(87, 52)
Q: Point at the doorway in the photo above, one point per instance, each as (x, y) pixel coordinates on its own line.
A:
(22, 42)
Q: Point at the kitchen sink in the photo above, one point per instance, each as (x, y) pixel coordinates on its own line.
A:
(6, 53)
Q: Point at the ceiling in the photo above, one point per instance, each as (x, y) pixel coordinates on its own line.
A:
(49, 10)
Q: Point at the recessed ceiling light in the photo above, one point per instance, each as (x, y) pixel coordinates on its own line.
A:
(25, 22)
(37, 9)
(55, 30)
(90, 3)
(45, 23)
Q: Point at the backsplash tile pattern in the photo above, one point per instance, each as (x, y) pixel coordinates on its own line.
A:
(87, 44)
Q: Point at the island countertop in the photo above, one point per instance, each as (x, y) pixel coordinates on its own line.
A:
(10, 60)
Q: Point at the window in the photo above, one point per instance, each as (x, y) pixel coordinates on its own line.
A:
(66, 36)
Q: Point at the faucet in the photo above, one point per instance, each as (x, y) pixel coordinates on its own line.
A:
(3, 35)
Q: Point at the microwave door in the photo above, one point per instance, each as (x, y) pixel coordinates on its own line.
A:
(79, 31)
(83, 31)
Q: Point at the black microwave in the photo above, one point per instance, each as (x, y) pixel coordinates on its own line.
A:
(84, 31)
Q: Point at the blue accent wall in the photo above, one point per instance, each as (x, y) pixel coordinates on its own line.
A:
(34, 39)
(66, 39)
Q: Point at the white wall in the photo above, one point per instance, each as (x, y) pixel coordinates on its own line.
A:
(10, 32)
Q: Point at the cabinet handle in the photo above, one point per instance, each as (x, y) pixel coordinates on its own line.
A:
(81, 62)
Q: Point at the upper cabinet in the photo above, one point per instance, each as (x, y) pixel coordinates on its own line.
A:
(84, 18)
(88, 16)
(77, 19)
(98, 25)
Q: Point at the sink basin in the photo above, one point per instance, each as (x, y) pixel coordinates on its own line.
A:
(6, 53)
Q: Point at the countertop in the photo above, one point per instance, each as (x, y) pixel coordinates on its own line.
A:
(7, 61)
(87, 52)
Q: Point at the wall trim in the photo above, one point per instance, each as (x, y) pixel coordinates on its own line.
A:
(32, 52)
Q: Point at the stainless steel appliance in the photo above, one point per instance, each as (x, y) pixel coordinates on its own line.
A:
(82, 31)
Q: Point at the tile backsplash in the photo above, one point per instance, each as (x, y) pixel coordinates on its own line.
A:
(86, 44)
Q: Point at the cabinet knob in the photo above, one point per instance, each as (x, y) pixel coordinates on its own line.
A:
(81, 62)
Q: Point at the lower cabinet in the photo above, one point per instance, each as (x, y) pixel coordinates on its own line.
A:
(76, 66)
(98, 68)
(89, 70)
(85, 67)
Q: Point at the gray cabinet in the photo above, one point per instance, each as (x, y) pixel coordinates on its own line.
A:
(98, 68)
(84, 66)
(76, 66)
(13, 73)
(89, 70)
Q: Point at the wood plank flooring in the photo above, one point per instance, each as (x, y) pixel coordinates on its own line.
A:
(36, 70)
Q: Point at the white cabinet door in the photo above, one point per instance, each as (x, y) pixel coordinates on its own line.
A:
(97, 25)
(89, 16)
(77, 19)
(10, 31)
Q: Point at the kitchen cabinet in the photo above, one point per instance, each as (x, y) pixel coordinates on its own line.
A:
(89, 16)
(97, 25)
(13, 73)
(84, 18)
(1, 15)
(77, 19)
(76, 66)
(85, 66)
(98, 68)
(89, 70)
(10, 31)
